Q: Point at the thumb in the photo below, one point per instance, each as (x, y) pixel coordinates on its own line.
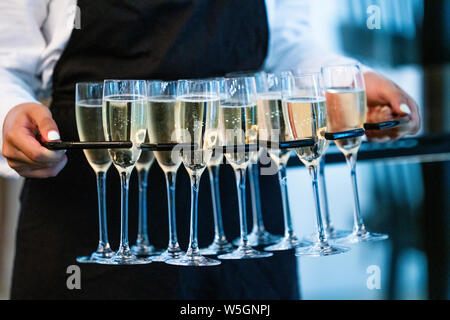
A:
(399, 104)
(47, 127)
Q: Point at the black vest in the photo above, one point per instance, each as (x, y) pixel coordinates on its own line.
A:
(144, 39)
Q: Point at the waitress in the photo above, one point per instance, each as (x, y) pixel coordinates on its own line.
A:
(163, 39)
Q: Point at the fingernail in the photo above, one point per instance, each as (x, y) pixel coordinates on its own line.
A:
(53, 135)
(405, 109)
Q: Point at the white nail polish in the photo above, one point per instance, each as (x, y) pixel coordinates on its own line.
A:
(53, 135)
(405, 109)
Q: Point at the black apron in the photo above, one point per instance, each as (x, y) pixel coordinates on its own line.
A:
(145, 39)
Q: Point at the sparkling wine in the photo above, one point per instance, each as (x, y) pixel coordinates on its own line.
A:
(89, 126)
(307, 119)
(199, 121)
(163, 121)
(124, 120)
(272, 126)
(347, 109)
(239, 126)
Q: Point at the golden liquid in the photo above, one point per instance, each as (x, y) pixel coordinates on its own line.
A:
(239, 126)
(199, 119)
(347, 109)
(124, 119)
(163, 121)
(90, 128)
(307, 118)
(272, 126)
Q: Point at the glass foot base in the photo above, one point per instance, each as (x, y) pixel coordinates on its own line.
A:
(216, 248)
(331, 235)
(193, 260)
(127, 258)
(96, 257)
(288, 243)
(246, 252)
(259, 238)
(169, 254)
(145, 250)
(362, 236)
(320, 249)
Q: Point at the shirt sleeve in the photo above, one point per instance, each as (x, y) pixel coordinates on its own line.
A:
(291, 40)
(33, 35)
(21, 45)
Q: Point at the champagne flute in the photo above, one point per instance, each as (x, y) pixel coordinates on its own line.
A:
(124, 119)
(239, 126)
(143, 165)
(330, 230)
(347, 110)
(273, 128)
(198, 121)
(88, 112)
(163, 111)
(305, 113)
(259, 235)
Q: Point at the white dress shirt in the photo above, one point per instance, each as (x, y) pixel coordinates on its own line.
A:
(34, 33)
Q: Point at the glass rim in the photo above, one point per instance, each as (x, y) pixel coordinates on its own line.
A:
(330, 75)
(344, 65)
(202, 80)
(161, 81)
(280, 74)
(85, 91)
(318, 90)
(124, 80)
(89, 83)
(240, 78)
(243, 74)
(205, 88)
(305, 75)
(158, 90)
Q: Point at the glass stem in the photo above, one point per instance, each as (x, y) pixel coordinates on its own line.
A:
(170, 181)
(313, 173)
(193, 240)
(125, 181)
(219, 233)
(258, 224)
(357, 218)
(288, 229)
(323, 189)
(142, 236)
(103, 243)
(240, 182)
